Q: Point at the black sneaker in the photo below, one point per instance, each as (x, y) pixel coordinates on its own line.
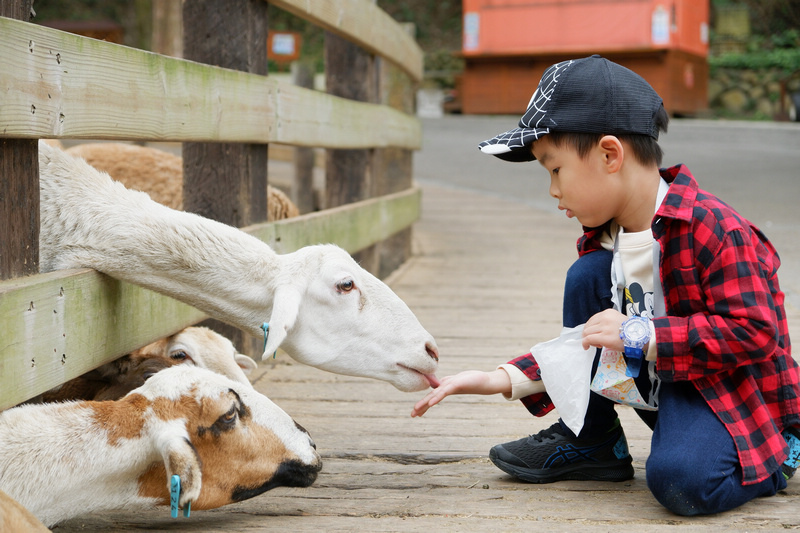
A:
(789, 466)
(551, 455)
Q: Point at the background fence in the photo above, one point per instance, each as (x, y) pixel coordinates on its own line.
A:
(219, 101)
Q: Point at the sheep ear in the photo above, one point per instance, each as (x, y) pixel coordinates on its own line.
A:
(246, 363)
(285, 307)
(180, 459)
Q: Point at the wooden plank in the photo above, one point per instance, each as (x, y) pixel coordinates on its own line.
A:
(363, 23)
(353, 227)
(58, 325)
(56, 84)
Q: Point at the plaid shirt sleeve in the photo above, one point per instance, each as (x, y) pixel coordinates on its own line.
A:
(536, 404)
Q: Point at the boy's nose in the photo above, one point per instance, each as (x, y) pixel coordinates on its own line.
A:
(554, 191)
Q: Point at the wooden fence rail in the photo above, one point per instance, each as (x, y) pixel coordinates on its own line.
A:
(58, 325)
(58, 84)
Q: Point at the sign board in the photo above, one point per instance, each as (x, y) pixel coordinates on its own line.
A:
(284, 46)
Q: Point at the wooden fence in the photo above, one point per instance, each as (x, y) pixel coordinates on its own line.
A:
(221, 104)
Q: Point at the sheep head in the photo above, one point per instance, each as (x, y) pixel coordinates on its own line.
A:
(225, 440)
(330, 313)
(201, 347)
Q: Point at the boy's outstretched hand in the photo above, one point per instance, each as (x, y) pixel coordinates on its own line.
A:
(467, 382)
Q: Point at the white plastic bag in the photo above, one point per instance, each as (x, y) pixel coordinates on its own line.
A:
(567, 372)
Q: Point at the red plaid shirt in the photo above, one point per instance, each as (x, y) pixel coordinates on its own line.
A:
(725, 329)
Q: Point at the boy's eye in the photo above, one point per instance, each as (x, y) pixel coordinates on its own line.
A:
(555, 170)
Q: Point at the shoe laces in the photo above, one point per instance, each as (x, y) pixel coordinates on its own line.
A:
(548, 433)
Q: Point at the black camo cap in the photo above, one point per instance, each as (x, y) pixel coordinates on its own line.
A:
(588, 95)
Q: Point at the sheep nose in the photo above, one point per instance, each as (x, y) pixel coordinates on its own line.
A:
(432, 351)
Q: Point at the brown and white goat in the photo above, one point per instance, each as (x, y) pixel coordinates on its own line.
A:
(226, 441)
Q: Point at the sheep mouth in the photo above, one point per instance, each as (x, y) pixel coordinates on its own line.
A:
(289, 474)
(432, 380)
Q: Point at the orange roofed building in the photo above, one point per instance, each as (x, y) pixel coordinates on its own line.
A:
(507, 45)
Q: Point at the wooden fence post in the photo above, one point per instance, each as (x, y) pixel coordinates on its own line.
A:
(304, 160)
(167, 39)
(227, 181)
(19, 188)
(393, 167)
(349, 73)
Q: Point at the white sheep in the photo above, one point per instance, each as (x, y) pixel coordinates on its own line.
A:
(226, 441)
(322, 308)
(160, 174)
(198, 346)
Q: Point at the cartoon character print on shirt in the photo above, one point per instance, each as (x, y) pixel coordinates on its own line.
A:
(638, 302)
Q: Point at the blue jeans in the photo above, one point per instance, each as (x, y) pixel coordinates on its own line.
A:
(693, 466)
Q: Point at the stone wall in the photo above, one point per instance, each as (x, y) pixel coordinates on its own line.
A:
(748, 93)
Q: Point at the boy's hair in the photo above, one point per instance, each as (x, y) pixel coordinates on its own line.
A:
(645, 149)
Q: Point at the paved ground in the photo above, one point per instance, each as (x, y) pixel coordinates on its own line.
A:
(486, 280)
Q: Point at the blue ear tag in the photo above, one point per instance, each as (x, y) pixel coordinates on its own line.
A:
(265, 327)
(174, 497)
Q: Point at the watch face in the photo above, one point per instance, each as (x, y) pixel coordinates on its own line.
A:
(636, 331)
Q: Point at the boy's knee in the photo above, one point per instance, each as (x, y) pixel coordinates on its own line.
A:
(687, 490)
(676, 490)
(589, 277)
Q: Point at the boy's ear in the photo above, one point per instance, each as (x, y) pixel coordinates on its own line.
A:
(613, 152)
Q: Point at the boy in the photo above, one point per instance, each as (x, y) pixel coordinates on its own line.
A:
(715, 344)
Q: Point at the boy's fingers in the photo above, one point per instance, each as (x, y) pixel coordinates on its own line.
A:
(419, 410)
(433, 397)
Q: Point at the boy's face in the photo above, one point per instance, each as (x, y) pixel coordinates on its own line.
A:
(581, 185)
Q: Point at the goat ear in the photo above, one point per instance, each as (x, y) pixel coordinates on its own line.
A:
(246, 363)
(285, 308)
(180, 458)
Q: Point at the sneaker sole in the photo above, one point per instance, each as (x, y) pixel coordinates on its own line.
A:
(615, 471)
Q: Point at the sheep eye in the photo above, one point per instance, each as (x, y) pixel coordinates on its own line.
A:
(179, 355)
(346, 285)
(230, 417)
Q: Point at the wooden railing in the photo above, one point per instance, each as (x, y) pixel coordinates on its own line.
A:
(58, 325)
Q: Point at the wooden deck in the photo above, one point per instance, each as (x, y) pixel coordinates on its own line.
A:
(486, 281)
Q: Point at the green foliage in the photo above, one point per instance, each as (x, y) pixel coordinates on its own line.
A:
(81, 10)
(785, 59)
(779, 51)
(437, 22)
(767, 17)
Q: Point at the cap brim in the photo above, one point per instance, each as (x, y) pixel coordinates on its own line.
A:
(513, 145)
